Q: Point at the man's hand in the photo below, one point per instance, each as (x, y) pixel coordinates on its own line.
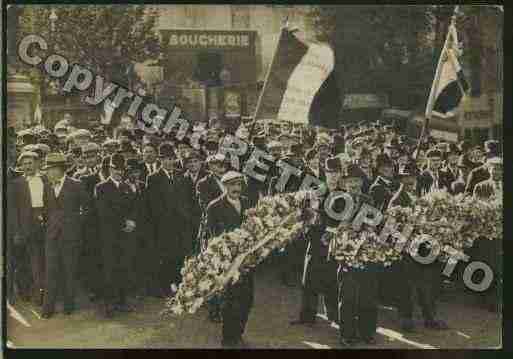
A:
(129, 226)
(18, 239)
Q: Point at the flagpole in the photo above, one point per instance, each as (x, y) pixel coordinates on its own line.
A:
(434, 85)
(273, 60)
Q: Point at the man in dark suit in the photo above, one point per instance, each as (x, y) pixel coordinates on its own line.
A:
(477, 175)
(195, 172)
(89, 261)
(431, 179)
(485, 250)
(136, 241)
(407, 276)
(116, 223)
(169, 212)
(26, 221)
(450, 173)
(226, 214)
(385, 184)
(65, 202)
(210, 186)
(320, 272)
(358, 288)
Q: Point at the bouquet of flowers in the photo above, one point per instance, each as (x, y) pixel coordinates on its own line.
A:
(356, 249)
(457, 221)
(272, 224)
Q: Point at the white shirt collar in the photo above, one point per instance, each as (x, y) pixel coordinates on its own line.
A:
(61, 181)
(37, 174)
(235, 203)
(166, 172)
(114, 181)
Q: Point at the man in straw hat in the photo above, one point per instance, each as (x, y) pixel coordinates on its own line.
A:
(27, 207)
(65, 202)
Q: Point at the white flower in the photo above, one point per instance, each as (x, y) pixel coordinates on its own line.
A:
(174, 288)
(177, 309)
(204, 285)
(189, 294)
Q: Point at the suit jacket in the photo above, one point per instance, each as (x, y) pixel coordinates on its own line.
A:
(223, 217)
(196, 213)
(207, 190)
(145, 173)
(448, 176)
(458, 186)
(169, 205)
(64, 213)
(113, 205)
(382, 191)
(426, 182)
(475, 176)
(19, 215)
(401, 198)
(485, 189)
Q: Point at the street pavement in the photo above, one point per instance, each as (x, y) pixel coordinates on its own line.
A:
(268, 326)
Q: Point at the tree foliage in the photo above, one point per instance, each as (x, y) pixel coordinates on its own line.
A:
(105, 38)
(375, 44)
(394, 48)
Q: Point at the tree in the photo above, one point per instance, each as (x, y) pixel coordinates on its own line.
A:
(108, 39)
(378, 47)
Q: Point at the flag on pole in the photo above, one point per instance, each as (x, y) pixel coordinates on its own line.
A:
(108, 110)
(449, 84)
(300, 85)
(38, 116)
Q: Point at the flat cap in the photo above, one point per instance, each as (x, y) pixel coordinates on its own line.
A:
(110, 142)
(55, 159)
(44, 148)
(232, 176)
(216, 158)
(494, 160)
(90, 147)
(81, 133)
(274, 144)
(433, 153)
(28, 154)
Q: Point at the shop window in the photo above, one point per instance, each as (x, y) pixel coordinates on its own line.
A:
(209, 68)
(468, 134)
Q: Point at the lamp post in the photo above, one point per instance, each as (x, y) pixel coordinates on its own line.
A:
(20, 90)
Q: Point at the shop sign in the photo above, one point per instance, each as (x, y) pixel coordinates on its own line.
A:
(203, 39)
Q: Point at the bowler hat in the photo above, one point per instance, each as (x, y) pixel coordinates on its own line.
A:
(117, 161)
(384, 160)
(166, 150)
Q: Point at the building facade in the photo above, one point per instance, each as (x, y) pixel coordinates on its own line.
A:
(482, 111)
(215, 57)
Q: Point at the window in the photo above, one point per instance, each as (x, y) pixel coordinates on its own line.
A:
(240, 17)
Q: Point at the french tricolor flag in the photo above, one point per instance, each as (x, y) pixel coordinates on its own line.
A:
(300, 85)
(449, 85)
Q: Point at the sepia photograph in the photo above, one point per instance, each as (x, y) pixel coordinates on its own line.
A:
(243, 176)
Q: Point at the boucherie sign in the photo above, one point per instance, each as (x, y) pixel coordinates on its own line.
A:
(204, 39)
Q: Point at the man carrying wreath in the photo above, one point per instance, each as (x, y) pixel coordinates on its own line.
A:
(358, 287)
(225, 214)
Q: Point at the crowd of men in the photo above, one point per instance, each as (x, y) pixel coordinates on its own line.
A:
(117, 212)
